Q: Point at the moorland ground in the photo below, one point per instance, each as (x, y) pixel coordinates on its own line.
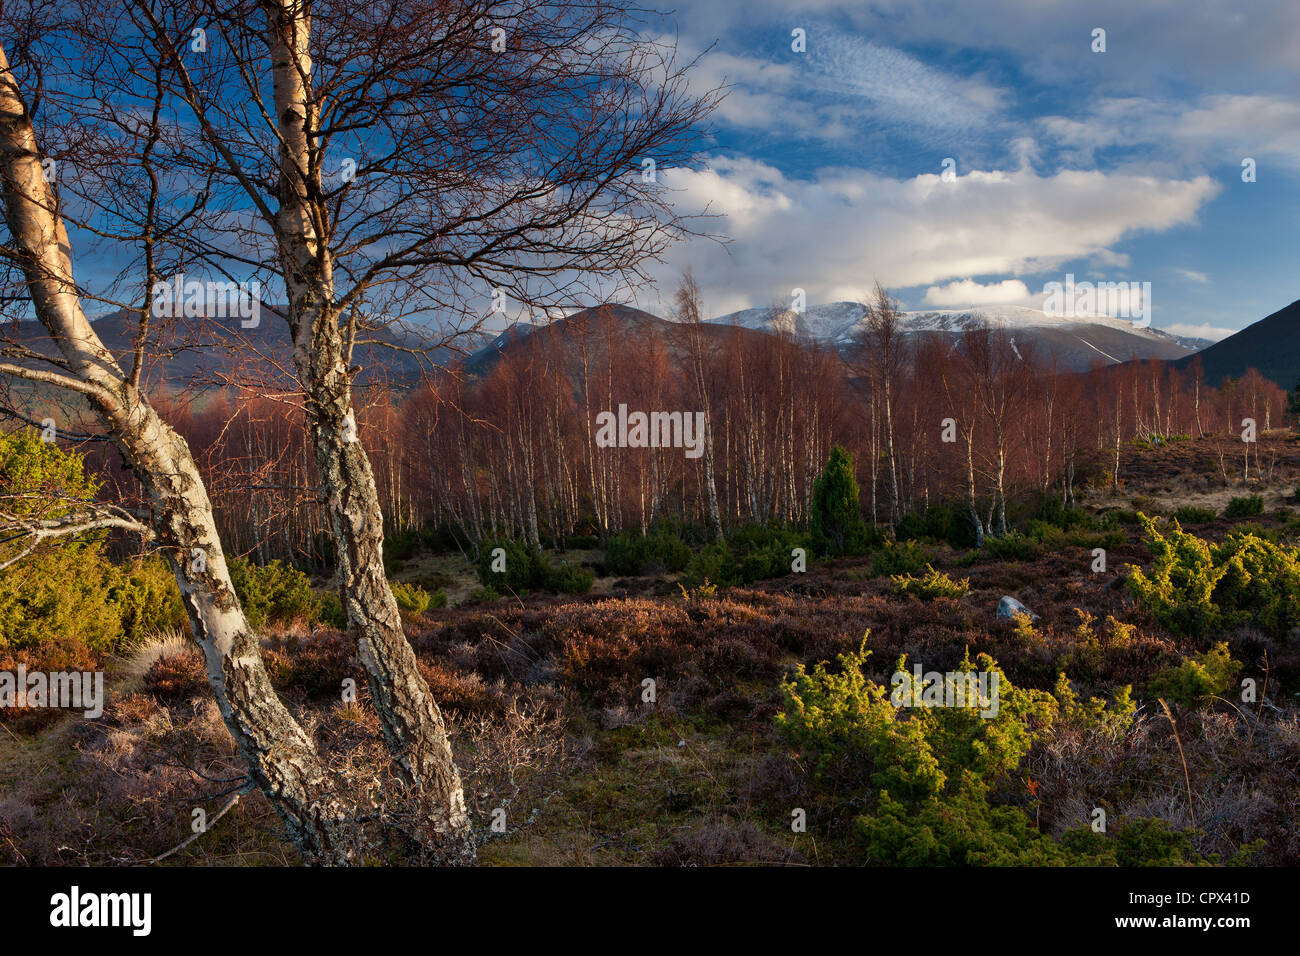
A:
(545, 699)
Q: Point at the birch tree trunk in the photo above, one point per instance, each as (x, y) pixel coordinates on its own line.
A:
(282, 760)
(690, 313)
(412, 723)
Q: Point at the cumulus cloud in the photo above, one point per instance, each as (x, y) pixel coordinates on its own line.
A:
(834, 234)
(1212, 332)
(964, 293)
(1220, 127)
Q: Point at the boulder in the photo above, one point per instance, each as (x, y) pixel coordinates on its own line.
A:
(1009, 607)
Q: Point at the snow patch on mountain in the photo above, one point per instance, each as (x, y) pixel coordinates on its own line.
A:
(837, 322)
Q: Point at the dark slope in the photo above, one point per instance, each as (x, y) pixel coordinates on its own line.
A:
(598, 329)
(1271, 345)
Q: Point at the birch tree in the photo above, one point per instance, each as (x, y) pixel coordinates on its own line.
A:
(370, 163)
(884, 352)
(281, 758)
(688, 311)
(404, 157)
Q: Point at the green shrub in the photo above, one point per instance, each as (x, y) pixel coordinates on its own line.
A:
(527, 569)
(1048, 535)
(935, 584)
(1194, 587)
(273, 593)
(1094, 715)
(837, 527)
(147, 598)
(1012, 547)
(1110, 540)
(67, 590)
(483, 595)
(1244, 507)
(570, 579)
(521, 568)
(1178, 589)
(904, 557)
(655, 553)
(754, 552)
(1190, 514)
(765, 550)
(1260, 583)
(700, 593)
(716, 563)
(39, 480)
(60, 593)
(626, 553)
(77, 594)
(416, 599)
(331, 611)
(1054, 512)
(1194, 682)
(410, 597)
(402, 545)
(948, 523)
(923, 775)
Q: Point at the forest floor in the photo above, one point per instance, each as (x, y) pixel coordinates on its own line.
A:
(544, 697)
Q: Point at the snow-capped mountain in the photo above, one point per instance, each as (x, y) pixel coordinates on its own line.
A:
(1077, 341)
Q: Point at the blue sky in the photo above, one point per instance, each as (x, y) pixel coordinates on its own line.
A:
(825, 166)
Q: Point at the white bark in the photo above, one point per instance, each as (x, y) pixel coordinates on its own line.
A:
(281, 758)
(412, 723)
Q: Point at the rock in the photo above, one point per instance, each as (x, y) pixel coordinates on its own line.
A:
(1009, 607)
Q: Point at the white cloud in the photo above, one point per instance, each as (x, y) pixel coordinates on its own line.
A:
(1212, 332)
(838, 232)
(1191, 275)
(1244, 126)
(1224, 43)
(1218, 128)
(842, 83)
(966, 293)
(763, 95)
(898, 88)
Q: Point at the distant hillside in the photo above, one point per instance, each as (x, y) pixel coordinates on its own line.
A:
(1271, 345)
(1076, 342)
(213, 351)
(564, 337)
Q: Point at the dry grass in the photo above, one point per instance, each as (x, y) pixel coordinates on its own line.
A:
(543, 698)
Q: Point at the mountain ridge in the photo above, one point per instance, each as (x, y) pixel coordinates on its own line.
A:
(1271, 346)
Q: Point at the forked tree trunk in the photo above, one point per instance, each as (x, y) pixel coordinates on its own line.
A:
(281, 758)
(412, 723)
